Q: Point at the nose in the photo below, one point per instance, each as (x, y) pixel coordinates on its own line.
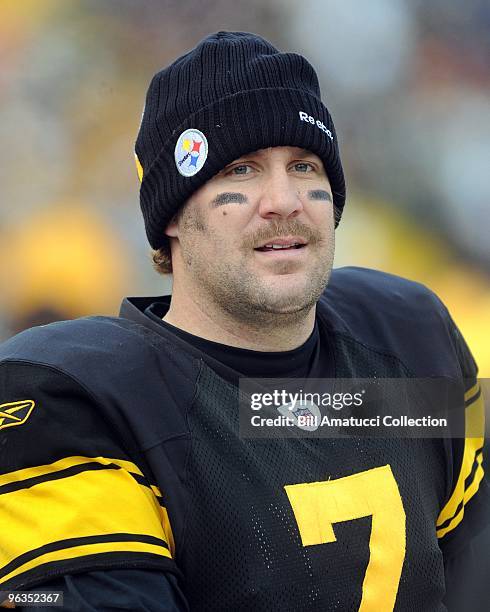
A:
(280, 197)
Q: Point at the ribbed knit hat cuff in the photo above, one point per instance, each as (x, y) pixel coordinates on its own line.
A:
(234, 126)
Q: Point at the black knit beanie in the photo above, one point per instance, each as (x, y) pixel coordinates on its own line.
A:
(233, 94)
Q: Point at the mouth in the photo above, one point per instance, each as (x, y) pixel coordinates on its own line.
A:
(279, 245)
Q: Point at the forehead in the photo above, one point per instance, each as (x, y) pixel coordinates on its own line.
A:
(278, 153)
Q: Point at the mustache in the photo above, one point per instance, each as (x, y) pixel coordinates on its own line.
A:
(281, 228)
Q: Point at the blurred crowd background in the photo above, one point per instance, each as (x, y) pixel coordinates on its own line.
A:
(408, 84)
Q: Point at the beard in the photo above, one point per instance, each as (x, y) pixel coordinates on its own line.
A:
(240, 291)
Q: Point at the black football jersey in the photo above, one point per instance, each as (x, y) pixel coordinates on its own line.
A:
(120, 447)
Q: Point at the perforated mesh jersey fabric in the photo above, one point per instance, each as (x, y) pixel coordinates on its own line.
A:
(242, 548)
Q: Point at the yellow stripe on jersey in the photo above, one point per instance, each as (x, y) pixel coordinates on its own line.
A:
(82, 551)
(87, 503)
(156, 490)
(62, 464)
(165, 521)
(471, 466)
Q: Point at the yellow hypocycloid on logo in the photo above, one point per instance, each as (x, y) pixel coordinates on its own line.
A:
(15, 413)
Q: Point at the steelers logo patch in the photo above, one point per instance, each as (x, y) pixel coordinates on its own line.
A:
(191, 152)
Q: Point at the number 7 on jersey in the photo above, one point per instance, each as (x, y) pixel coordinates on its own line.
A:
(318, 505)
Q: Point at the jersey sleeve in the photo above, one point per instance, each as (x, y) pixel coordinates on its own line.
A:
(467, 509)
(120, 589)
(73, 496)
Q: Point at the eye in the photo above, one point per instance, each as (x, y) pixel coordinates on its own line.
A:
(304, 167)
(240, 170)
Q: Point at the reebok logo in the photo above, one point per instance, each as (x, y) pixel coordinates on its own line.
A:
(319, 124)
(15, 413)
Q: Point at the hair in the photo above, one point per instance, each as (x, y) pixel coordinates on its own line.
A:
(162, 258)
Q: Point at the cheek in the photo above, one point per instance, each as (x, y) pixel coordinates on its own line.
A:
(321, 214)
(230, 222)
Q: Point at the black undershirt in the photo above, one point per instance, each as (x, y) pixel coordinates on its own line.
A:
(312, 359)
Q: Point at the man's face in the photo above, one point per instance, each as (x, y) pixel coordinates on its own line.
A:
(224, 243)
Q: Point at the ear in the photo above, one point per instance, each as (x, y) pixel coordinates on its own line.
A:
(172, 229)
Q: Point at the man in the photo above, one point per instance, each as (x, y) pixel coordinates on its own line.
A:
(124, 479)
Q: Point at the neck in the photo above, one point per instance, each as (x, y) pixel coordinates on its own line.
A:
(267, 331)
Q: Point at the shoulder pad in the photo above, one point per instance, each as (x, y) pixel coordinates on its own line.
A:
(131, 370)
(391, 314)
